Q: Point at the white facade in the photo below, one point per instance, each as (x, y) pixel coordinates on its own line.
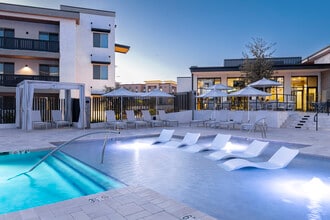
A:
(74, 27)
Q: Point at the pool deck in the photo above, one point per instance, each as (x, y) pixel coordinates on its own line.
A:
(136, 202)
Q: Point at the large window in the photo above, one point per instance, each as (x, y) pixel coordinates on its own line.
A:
(48, 70)
(5, 32)
(48, 36)
(204, 84)
(7, 68)
(100, 40)
(100, 72)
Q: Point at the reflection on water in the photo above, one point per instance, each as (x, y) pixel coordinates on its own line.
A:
(315, 210)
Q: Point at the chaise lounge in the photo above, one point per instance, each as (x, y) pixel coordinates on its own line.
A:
(254, 149)
(164, 136)
(188, 140)
(218, 143)
(280, 159)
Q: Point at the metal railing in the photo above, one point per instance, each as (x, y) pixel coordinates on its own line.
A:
(65, 144)
(29, 44)
(12, 80)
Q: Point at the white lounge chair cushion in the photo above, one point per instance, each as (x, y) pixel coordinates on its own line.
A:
(253, 150)
(218, 142)
(280, 159)
(164, 136)
(189, 139)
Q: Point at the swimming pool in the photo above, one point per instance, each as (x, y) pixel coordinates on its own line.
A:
(59, 178)
(197, 181)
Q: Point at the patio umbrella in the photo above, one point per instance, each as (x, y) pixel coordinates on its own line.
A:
(220, 87)
(121, 92)
(213, 94)
(157, 93)
(249, 92)
(264, 83)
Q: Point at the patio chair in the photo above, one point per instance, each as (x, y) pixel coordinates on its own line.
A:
(280, 159)
(58, 120)
(147, 117)
(36, 119)
(219, 141)
(254, 149)
(258, 122)
(188, 140)
(112, 121)
(164, 136)
(132, 120)
(167, 122)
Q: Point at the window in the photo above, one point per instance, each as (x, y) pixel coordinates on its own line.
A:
(100, 72)
(48, 36)
(100, 40)
(48, 70)
(5, 32)
(7, 68)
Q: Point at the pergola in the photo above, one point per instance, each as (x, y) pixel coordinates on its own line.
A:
(24, 100)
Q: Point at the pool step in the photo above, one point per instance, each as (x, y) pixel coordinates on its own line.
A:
(102, 180)
(79, 181)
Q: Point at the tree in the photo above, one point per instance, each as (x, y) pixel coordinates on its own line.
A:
(260, 64)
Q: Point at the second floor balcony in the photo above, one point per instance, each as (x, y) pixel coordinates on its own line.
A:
(12, 80)
(29, 44)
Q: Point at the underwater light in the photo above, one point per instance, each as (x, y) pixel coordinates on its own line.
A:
(234, 147)
(315, 189)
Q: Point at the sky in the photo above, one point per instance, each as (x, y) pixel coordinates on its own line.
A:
(167, 37)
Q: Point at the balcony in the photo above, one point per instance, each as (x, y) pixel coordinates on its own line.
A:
(29, 44)
(12, 80)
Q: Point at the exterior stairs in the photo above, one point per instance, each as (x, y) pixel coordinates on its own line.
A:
(305, 120)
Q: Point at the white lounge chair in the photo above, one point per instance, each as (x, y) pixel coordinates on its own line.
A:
(58, 120)
(147, 117)
(112, 121)
(132, 120)
(188, 140)
(280, 159)
(254, 149)
(36, 119)
(218, 142)
(167, 122)
(164, 136)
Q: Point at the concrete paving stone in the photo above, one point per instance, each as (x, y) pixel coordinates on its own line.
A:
(101, 218)
(116, 216)
(161, 216)
(80, 215)
(138, 215)
(151, 208)
(182, 211)
(129, 209)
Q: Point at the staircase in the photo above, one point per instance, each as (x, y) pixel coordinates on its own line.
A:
(305, 120)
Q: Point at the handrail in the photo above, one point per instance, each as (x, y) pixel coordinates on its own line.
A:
(66, 143)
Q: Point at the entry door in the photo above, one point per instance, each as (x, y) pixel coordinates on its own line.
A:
(299, 99)
(311, 98)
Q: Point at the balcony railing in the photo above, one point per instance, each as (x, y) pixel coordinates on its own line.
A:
(12, 80)
(28, 44)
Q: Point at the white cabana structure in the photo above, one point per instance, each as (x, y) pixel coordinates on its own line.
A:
(24, 100)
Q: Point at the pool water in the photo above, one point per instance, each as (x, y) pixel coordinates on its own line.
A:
(59, 178)
(200, 183)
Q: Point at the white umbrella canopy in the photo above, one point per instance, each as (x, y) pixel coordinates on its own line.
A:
(220, 87)
(248, 92)
(121, 92)
(263, 83)
(213, 94)
(157, 93)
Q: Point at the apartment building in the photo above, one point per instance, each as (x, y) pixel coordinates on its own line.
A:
(69, 44)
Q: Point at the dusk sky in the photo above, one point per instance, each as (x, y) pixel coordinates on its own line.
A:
(168, 36)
